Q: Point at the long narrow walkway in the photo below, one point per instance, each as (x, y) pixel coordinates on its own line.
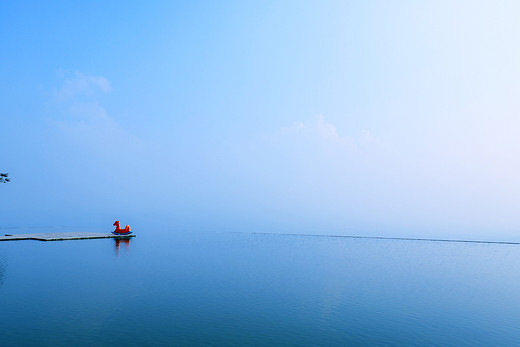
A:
(61, 236)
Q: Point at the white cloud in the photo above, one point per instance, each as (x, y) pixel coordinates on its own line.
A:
(81, 85)
(92, 128)
(86, 122)
(101, 82)
(319, 129)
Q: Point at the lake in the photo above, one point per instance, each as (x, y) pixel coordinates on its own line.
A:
(170, 287)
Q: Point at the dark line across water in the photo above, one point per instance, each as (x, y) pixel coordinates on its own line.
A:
(390, 238)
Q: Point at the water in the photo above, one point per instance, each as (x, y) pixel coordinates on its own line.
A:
(187, 288)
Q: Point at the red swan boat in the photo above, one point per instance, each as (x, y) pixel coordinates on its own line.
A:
(120, 231)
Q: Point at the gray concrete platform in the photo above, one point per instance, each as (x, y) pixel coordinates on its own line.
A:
(62, 236)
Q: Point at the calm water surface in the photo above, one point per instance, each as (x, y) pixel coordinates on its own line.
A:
(186, 288)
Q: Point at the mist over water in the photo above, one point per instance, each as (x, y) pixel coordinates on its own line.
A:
(225, 134)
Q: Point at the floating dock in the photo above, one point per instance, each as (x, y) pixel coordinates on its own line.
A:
(62, 236)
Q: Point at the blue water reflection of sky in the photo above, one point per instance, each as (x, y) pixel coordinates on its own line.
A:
(228, 288)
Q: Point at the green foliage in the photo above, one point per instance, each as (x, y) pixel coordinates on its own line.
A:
(4, 178)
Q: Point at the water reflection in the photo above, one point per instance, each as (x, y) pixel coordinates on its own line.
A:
(126, 245)
(2, 272)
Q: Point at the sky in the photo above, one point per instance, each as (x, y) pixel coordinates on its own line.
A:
(333, 117)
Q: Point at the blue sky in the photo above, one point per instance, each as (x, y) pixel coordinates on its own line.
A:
(374, 117)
